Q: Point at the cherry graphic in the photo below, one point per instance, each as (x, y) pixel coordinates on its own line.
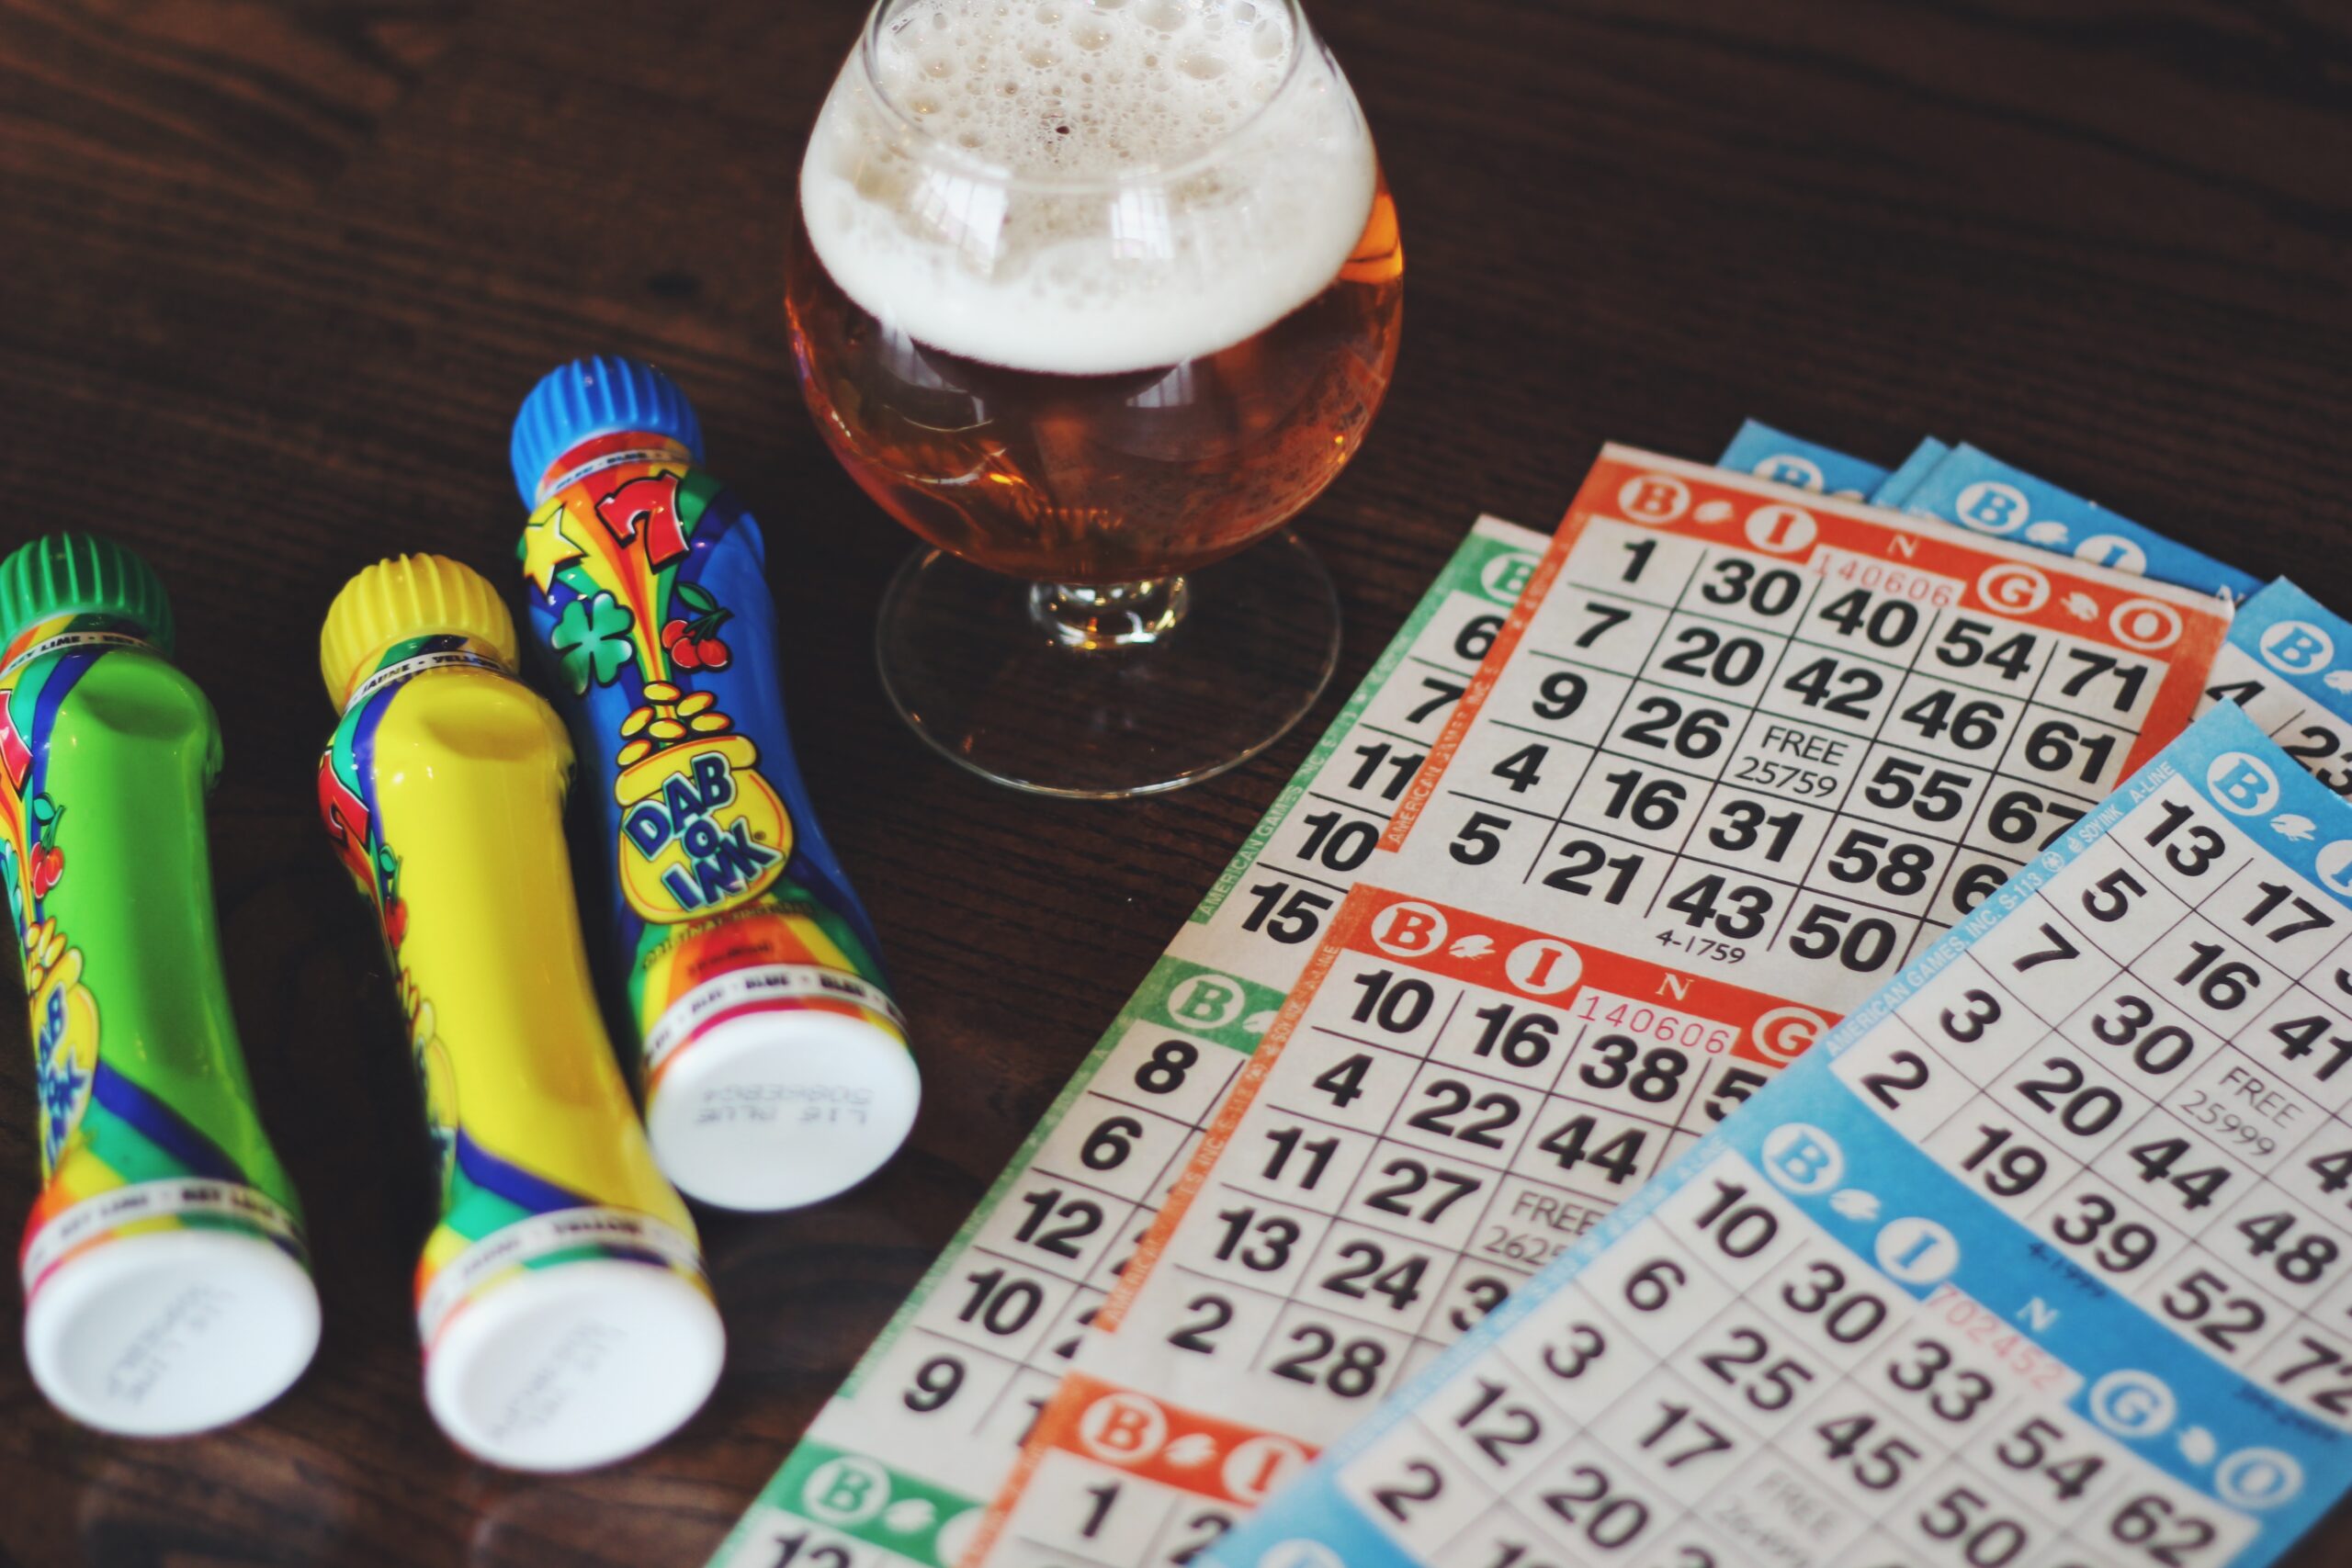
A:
(692, 644)
(48, 865)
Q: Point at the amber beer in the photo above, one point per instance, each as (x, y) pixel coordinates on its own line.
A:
(1179, 326)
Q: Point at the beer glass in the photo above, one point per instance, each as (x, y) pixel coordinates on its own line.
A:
(1092, 295)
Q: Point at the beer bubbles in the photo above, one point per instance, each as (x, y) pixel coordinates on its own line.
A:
(965, 169)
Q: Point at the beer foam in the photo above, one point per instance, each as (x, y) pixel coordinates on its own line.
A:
(1183, 174)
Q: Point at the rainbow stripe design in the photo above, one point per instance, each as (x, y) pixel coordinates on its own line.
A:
(114, 1113)
(645, 578)
(502, 1213)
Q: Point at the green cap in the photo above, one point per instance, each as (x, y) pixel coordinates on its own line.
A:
(65, 574)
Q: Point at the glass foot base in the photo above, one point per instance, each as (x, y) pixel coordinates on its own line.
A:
(1103, 692)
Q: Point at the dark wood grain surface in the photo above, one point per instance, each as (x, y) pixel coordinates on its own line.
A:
(274, 273)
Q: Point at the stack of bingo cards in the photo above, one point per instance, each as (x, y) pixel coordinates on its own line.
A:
(2043, 1257)
(900, 1466)
(1735, 759)
(1789, 741)
(1559, 897)
(2030, 1124)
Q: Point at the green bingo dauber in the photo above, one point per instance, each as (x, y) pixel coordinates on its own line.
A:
(165, 1281)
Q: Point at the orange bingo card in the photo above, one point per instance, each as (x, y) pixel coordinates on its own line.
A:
(1787, 739)
(1445, 1102)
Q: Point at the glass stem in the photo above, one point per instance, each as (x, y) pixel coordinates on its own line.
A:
(1091, 617)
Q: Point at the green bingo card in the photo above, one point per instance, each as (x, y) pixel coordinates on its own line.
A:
(900, 1466)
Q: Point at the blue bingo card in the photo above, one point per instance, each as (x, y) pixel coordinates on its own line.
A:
(2288, 663)
(2042, 1259)
(1978, 491)
(1897, 486)
(1775, 455)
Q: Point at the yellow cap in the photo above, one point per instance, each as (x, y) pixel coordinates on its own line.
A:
(409, 597)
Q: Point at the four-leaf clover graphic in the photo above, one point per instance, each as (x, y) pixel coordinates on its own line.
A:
(592, 637)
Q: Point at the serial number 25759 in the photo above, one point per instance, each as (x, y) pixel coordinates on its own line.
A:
(1785, 775)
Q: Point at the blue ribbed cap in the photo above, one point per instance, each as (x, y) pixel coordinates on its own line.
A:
(595, 397)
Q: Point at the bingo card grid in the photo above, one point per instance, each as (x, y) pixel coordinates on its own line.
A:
(2004, 1471)
(2187, 623)
(897, 1466)
(1420, 1132)
(1809, 759)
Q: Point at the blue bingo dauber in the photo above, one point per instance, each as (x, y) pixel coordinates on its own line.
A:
(2028, 1302)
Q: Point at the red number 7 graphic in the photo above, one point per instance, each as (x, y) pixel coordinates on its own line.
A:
(649, 500)
(346, 819)
(15, 757)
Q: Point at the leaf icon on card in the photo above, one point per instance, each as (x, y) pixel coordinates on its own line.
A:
(2198, 1447)
(1473, 947)
(1855, 1203)
(2338, 680)
(2082, 607)
(2049, 534)
(1258, 1022)
(1190, 1450)
(2293, 829)
(910, 1514)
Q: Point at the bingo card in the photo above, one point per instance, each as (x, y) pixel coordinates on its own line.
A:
(2289, 664)
(2043, 1258)
(1979, 491)
(1915, 466)
(1447, 1101)
(1775, 455)
(1791, 460)
(1643, 663)
(1786, 744)
(897, 1468)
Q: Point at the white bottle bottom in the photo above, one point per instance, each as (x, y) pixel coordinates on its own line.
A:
(773, 1109)
(165, 1333)
(574, 1365)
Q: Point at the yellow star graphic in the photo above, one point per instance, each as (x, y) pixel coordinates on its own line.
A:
(545, 547)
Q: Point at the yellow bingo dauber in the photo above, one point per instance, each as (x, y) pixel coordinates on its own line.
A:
(562, 1300)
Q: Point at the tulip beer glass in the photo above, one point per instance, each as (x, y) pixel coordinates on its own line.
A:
(1092, 294)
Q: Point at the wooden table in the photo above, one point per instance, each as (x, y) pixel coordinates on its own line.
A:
(277, 271)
